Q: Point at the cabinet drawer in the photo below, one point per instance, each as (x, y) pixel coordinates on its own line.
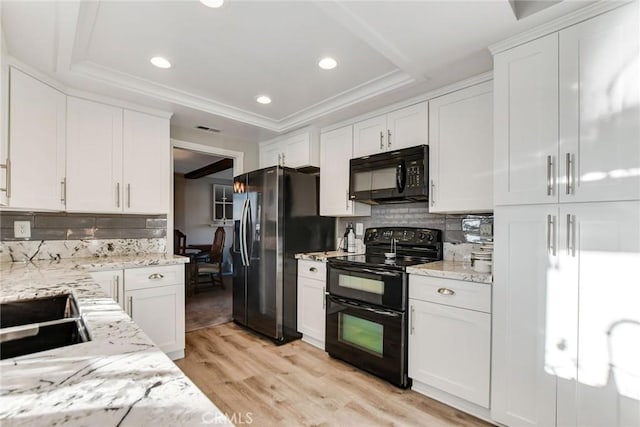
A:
(147, 277)
(456, 293)
(312, 269)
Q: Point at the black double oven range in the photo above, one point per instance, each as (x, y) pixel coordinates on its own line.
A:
(367, 299)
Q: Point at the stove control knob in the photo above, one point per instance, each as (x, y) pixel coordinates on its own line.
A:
(426, 236)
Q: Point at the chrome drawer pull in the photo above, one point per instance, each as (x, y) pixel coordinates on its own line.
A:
(155, 276)
(445, 291)
(411, 321)
(313, 270)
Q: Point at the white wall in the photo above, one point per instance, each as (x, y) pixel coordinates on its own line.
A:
(193, 211)
(250, 149)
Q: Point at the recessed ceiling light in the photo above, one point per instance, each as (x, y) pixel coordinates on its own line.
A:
(212, 3)
(327, 63)
(263, 99)
(160, 62)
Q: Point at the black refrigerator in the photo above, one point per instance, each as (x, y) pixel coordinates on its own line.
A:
(276, 215)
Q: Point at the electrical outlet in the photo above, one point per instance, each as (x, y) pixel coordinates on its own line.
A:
(359, 229)
(486, 229)
(22, 229)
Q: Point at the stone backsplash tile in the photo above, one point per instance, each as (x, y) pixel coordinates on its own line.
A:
(71, 226)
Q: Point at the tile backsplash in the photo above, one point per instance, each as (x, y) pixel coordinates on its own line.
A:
(417, 215)
(58, 235)
(76, 226)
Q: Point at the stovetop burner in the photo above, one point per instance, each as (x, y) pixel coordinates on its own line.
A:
(413, 246)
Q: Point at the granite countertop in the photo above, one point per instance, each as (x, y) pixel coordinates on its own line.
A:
(451, 270)
(323, 256)
(119, 378)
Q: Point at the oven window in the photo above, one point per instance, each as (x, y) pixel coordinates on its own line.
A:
(371, 286)
(362, 333)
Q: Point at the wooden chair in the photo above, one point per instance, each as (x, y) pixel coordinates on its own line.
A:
(179, 242)
(214, 267)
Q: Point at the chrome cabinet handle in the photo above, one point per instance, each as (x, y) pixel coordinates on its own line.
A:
(562, 344)
(117, 289)
(549, 176)
(63, 190)
(155, 276)
(113, 291)
(569, 166)
(411, 320)
(571, 236)
(388, 138)
(128, 195)
(446, 291)
(313, 269)
(433, 190)
(117, 194)
(7, 180)
(283, 161)
(551, 238)
(347, 200)
(381, 140)
(131, 307)
(324, 297)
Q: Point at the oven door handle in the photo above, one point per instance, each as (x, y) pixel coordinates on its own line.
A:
(368, 270)
(364, 307)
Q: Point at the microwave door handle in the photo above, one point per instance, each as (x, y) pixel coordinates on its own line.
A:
(401, 176)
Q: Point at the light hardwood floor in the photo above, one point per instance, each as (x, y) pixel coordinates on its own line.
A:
(297, 384)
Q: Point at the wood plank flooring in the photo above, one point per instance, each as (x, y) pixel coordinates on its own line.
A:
(297, 384)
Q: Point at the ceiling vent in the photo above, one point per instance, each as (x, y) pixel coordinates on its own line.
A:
(206, 129)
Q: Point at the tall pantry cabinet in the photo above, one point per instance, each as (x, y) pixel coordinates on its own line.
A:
(567, 226)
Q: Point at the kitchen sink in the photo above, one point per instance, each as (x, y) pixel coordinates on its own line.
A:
(31, 326)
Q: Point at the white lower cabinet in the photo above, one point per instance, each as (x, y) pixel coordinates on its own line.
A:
(566, 319)
(311, 301)
(112, 283)
(154, 298)
(450, 341)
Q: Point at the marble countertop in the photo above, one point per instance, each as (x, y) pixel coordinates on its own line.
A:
(322, 256)
(451, 270)
(119, 378)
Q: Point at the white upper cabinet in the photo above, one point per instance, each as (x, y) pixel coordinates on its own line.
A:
(146, 149)
(335, 152)
(461, 150)
(94, 156)
(36, 170)
(600, 108)
(117, 160)
(293, 151)
(402, 128)
(526, 123)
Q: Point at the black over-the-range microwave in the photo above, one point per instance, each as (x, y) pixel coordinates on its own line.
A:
(393, 177)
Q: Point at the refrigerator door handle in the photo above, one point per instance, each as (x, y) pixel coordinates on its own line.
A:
(249, 226)
(243, 234)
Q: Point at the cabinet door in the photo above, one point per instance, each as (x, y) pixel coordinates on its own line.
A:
(523, 384)
(335, 152)
(461, 365)
(94, 156)
(311, 309)
(369, 136)
(407, 127)
(296, 151)
(159, 311)
(461, 150)
(270, 155)
(526, 123)
(146, 163)
(112, 284)
(600, 108)
(600, 252)
(36, 144)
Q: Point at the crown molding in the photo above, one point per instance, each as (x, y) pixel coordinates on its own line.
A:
(444, 90)
(558, 24)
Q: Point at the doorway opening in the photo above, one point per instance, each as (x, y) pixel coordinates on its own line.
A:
(203, 231)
